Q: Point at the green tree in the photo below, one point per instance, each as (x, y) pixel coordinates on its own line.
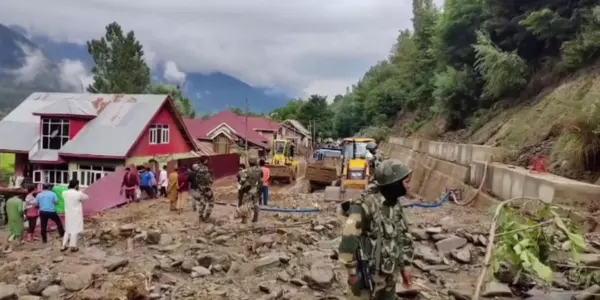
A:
(119, 63)
(184, 105)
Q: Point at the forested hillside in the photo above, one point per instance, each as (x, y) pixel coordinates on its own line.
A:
(462, 65)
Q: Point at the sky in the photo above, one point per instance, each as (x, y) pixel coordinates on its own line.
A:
(301, 47)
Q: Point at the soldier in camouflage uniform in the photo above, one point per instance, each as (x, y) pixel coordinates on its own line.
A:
(377, 223)
(204, 179)
(251, 184)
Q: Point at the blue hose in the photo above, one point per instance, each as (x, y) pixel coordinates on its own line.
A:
(290, 210)
(445, 198)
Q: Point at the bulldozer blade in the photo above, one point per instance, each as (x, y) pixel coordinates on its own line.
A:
(337, 194)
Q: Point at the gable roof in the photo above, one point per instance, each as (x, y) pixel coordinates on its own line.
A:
(120, 122)
(200, 129)
(298, 126)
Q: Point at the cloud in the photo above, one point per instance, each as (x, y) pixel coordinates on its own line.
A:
(71, 74)
(172, 74)
(74, 74)
(296, 46)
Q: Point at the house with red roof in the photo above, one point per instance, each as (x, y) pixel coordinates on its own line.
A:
(59, 136)
(228, 132)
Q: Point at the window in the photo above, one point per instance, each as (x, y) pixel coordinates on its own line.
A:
(88, 174)
(221, 144)
(52, 174)
(159, 134)
(55, 133)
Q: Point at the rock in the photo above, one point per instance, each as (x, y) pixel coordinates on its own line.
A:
(165, 239)
(427, 254)
(266, 261)
(462, 255)
(221, 239)
(153, 237)
(420, 234)
(188, 264)
(8, 291)
(36, 287)
(298, 282)
(30, 297)
(127, 228)
(589, 293)
(496, 289)
(118, 263)
(405, 293)
(320, 276)
(451, 243)
(319, 228)
(52, 291)
(459, 295)
(92, 294)
(201, 271)
(590, 259)
(58, 259)
(482, 240)
(434, 230)
(78, 281)
(265, 240)
(439, 236)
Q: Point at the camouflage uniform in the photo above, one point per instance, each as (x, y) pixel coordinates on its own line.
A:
(382, 232)
(206, 201)
(251, 184)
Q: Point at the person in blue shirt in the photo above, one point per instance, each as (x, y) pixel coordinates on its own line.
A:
(47, 202)
(147, 180)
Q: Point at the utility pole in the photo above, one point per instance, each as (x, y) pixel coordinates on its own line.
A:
(246, 134)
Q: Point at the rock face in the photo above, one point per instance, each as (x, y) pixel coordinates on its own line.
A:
(8, 291)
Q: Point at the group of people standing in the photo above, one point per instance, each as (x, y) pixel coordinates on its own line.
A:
(178, 186)
(44, 205)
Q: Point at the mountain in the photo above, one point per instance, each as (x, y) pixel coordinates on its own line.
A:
(24, 69)
(209, 93)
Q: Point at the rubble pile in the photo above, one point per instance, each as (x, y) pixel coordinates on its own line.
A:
(138, 253)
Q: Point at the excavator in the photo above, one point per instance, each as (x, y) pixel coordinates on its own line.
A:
(355, 171)
(283, 166)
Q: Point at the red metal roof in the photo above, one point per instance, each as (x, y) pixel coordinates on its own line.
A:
(199, 129)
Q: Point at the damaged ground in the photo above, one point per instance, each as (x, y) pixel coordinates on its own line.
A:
(145, 252)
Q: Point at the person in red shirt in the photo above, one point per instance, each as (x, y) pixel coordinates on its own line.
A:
(264, 193)
(131, 182)
(183, 188)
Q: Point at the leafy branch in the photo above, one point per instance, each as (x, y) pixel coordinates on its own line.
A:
(527, 240)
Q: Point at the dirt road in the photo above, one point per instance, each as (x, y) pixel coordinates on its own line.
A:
(146, 252)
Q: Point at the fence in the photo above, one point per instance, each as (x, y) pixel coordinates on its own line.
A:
(222, 165)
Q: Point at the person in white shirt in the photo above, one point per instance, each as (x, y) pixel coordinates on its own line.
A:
(73, 215)
(163, 181)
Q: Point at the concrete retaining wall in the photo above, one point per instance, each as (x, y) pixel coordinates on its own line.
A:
(463, 154)
(437, 166)
(507, 182)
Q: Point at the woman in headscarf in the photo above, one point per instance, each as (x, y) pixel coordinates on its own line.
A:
(173, 190)
(73, 215)
(14, 211)
(184, 188)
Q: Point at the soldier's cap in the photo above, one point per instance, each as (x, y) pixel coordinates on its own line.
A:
(391, 171)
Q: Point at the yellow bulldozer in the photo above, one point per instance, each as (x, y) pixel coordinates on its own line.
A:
(355, 171)
(283, 166)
